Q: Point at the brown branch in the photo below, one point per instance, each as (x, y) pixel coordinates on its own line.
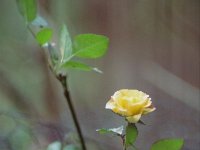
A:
(124, 142)
(63, 80)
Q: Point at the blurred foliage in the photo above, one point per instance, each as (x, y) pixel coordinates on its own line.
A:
(166, 144)
(58, 146)
(20, 139)
(28, 9)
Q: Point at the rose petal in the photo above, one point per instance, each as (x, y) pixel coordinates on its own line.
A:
(115, 108)
(110, 104)
(134, 119)
(148, 110)
(149, 102)
(136, 108)
(130, 103)
(120, 111)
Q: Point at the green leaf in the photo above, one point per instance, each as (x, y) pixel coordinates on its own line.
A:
(168, 144)
(44, 35)
(65, 44)
(79, 66)
(131, 134)
(54, 146)
(90, 45)
(115, 131)
(28, 9)
(53, 53)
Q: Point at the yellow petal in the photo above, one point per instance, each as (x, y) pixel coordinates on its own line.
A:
(120, 111)
(110, 104)
(134, 119)
(148, 103)
(148, 110)
(130, 103)
(137, 108)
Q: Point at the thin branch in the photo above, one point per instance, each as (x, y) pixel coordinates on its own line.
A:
(31, 31)
(124, 144)
(63, 80)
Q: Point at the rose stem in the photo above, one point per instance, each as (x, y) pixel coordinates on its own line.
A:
(124, 144)
(63, 80)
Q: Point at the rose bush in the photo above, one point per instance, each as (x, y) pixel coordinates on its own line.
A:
(131, 104)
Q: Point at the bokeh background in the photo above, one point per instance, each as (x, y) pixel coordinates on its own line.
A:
(154, 47)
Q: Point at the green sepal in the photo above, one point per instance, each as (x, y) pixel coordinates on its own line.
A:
(131, 134)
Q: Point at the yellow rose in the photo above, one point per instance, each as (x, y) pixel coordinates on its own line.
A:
(131, 104)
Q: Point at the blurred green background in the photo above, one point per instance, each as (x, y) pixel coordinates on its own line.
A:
(154, 47)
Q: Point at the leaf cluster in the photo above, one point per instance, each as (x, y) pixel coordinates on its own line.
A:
(83, 46)
(131, 134)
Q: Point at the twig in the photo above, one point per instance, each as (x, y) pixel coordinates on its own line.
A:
(63, 80)
(124, 144)
(31, 31)
(123, 140)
